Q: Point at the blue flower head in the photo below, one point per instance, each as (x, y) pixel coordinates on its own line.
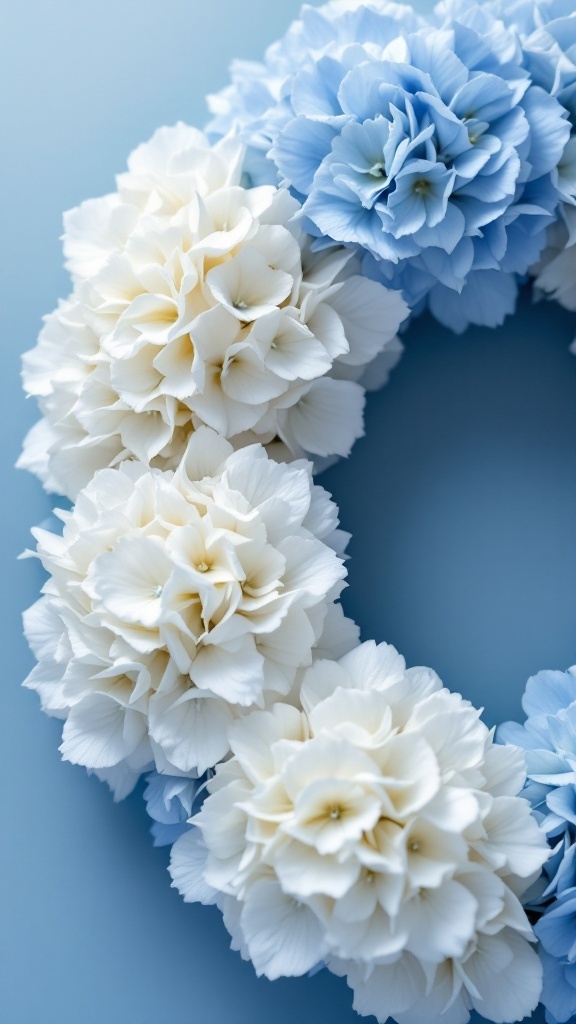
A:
(549, 740)
(546, 31)
(169, 802)
(428, 147)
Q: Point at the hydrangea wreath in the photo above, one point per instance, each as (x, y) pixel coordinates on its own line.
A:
(230, 303)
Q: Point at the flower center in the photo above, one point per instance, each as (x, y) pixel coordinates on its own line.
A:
(414, 846)
(377, 171)
(421, 187)
(335, 813)
(202, 567)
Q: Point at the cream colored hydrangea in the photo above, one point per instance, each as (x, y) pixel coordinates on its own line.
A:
(198, 301)
(178, 601)
(378, 830)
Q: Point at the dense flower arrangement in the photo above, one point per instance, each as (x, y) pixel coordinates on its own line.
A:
(346, 832)
(231, 301)
(429, 147)
(179, 600)
(197, 301)
(549, 739)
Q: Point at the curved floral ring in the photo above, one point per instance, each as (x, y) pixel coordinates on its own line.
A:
(230, 303)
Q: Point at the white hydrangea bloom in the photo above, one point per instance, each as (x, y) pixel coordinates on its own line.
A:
(177, 601)
(378, 830)
(198, 301)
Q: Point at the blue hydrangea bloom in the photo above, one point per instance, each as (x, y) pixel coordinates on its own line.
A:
(556, 931)
(549, 740)
(547, 36)
(426, 146)
(169, 802)
(525, 16)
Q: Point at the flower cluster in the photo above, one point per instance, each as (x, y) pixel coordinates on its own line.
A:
(430, 148)
(197, 301)
(548, 738)
(377, 830)
(546, 30)
(177, 601)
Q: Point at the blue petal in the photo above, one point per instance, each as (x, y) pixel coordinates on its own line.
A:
(450, 269)
(558, 994)
(513, 733)
(315, 89)
(487, 298)
(166, 835)
(300, 149)
(549, 692)
(485, 97)
(549, 131)
(432, 54)
(447, 234)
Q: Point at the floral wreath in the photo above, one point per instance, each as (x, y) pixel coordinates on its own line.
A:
(231, 302)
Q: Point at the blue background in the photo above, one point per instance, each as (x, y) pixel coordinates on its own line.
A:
(461, 499)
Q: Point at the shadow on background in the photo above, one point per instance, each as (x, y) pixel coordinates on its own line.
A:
(461, 501)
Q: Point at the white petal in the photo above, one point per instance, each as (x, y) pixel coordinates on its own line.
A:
(312, 569)
(191, 729)
(371, 316)
(339, 634)
(327, 420)
(507, 974)
(95, 229)
(205, 455)
(35, 456)
(373, 665)
(129, 580)
(46, 679)
(388, 989)
(187, 864)
(280, 493)
(252, 738)
(504, 769)
(100, 732)
(441, 922)
(320, 681)
(290, 644)
(284, 937)
(514, 843)
(247, 287)
(304, 873)
(328, 328)
(234, 674)
(120, 779)
(42, 628)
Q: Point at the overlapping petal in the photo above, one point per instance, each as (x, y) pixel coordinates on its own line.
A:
(177, 602)
(439, 150)
(198, 301)
(379, 830)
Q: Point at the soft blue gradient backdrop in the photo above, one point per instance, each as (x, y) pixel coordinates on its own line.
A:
(462, 501)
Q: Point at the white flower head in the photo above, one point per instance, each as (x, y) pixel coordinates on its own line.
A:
(378, 830)
(178, 601)
(199, 301)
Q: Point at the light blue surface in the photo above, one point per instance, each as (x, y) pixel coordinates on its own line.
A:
(462, 499)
